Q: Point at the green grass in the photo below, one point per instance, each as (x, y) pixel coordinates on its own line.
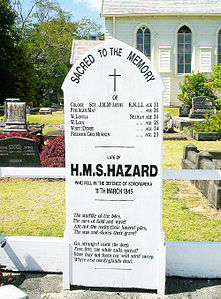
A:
(51, 121)
(172, 111)
(182, 224)
(32, 207)
(37, 208)
(173, 150)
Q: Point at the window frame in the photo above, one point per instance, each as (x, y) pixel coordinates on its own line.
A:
(218, 44)
(180, 73)
(141, 26)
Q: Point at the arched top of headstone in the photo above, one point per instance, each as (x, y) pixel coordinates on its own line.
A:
(114, 66)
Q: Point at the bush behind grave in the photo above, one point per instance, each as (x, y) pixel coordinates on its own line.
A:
(53, 154)
(194, 85)
(211, 123)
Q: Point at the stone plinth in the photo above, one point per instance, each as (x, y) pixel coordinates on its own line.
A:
(195, 159)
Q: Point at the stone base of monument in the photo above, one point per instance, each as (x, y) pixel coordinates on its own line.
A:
(50, 135)
(15, 128)
(11, 292)
(35, 128)
(195, 159)
(206, 136)
(182, 122)
(198, 115)
(174, 136)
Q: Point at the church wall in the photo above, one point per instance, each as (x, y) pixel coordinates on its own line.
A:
(163, 40)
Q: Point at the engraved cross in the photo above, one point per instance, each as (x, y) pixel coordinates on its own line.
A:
(115, 79)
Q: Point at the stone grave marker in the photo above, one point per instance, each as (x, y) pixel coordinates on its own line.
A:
(19, 152)
(113, 131)
(15, 115)
(201, 106)
(184, 111)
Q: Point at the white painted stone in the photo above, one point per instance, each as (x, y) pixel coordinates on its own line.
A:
(113, 117)
(11, 292)
(184, 259)
(170, 174)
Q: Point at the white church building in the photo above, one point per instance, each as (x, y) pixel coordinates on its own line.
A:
(178, 36)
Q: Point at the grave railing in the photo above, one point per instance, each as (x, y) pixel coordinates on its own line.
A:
(172, 174)
(46, 254)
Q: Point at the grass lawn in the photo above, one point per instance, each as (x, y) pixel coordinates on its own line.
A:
(32, 207)
(173, 111)
(37, 207)
(51, 121)
(173, 150)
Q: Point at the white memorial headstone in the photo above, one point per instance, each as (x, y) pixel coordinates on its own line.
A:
(113, 119)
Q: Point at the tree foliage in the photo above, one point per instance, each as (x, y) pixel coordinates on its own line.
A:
(215, 79)
(49, 44)
(16, 70)
(36, 46)
(194, 85)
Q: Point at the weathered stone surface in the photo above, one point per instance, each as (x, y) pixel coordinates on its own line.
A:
(50, 135)
(15, 115)
(206, 136)
(184, 112)
(194, 159)
(168, 126)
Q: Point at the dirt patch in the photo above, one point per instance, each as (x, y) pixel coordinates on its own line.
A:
(196, 201)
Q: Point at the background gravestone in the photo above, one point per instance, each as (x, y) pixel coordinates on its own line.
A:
(201, 106)
(15, 115)
(184, 111)
(18, 152)
(113, 139)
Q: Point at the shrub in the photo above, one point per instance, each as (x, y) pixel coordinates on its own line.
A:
(53, 154)
(215, 79)
(211, 123)
(24, 135)
(217, 104)
(194, 85)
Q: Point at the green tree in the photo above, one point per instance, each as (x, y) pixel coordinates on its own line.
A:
(44, 48)
(8, 36)
(215, 79)
(16, 71)
(49, 44)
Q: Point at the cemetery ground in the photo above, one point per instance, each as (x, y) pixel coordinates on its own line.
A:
(50, 121)
(36, 207)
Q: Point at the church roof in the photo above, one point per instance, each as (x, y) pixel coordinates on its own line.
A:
(79, 47)
(160, 7)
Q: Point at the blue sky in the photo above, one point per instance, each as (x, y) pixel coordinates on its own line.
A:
(78, 8)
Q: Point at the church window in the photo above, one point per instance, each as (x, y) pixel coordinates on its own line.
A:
(143, 41)
(184, 40)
